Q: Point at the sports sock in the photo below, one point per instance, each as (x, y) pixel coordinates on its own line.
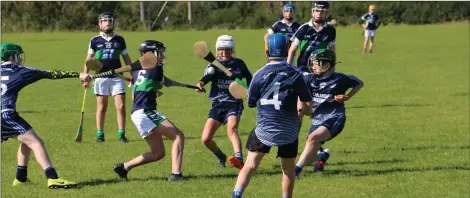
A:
(21, 173)
(239, 155)
(100, 133)
(51, 173)
(298, 168)
(219, 154)
(237, 192)
(121, 132)
(285, 196)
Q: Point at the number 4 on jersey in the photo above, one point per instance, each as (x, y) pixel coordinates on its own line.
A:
(274, 90)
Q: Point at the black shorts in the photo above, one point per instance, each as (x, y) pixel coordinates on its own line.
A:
(13, 125)
(284, 151)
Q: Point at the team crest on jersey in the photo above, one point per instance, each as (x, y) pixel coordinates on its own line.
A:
(289, 29)
(108, 44)
(99, 45)
(116, 45)
(283, 30)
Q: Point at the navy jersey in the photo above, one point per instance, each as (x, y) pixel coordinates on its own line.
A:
(309, 39)
(145, 86)
(15, 77)
(108, 51)
(372, 21)
(274, 91)
(220, 81)
(325, 88)
(284, 28)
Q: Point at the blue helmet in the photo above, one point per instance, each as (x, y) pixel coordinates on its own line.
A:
(289, 6)
(276, 46)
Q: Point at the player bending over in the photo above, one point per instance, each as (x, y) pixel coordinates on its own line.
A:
(107, 47)
(15, 77)
(274, 92)
(151, 124)
(225, 108)
(328, 90)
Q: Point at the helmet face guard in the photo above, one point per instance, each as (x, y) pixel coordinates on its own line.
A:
(321, 61)
(225, 46)
(106, 22)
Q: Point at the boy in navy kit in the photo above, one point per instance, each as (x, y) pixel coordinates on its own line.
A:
(274, 92)
(328, 90)
(15, 77)
(225, 108)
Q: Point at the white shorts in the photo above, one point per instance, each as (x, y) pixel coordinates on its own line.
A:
(109, 86)
(369, 33)
(146, 120)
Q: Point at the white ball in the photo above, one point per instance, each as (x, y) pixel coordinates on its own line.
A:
(210, 70)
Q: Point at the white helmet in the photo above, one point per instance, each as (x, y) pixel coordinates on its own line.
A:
(225, 41)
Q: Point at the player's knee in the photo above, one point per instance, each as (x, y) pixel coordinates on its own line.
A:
(233, 130)
(206, 140)
(121, 107)
(158, 155)
(101, 108)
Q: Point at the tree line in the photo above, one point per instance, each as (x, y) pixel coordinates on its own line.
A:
(21, 16)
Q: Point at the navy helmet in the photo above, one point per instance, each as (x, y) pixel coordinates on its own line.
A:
(277, 46)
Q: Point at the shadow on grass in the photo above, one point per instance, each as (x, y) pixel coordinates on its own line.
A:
(391, 105)
(415, 148)
(97, 182)
(360, 173)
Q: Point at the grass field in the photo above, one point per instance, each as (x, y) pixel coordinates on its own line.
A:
(407, 131)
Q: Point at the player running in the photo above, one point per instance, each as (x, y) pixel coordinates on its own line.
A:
(225, 108)
(151, 124)
(371, 23)
(15, 77)
(328, 90)
(274, 92)
(287, 26)
(313, 35)
(107, 47)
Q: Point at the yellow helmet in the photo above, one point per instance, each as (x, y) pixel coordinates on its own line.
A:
(371, 7)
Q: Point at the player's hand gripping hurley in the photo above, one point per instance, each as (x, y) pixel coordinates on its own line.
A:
(238, 88)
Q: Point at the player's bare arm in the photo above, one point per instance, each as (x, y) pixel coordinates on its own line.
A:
(292, 50)
(346, 97)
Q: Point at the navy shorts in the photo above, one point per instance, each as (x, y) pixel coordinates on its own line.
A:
(334, 123)
(13, 125)
(222, 110)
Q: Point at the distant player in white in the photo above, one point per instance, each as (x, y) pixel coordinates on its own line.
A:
(370, 23)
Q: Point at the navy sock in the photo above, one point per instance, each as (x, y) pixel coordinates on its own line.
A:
(219, 154)
(51, 173)
(237, 192)
(239, 155)
(21, 173)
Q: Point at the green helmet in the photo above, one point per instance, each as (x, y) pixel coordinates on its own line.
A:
(322, 56)
(11, 49)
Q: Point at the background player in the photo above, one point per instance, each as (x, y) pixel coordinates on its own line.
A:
(107, 47)
(371, 23)
(274, 92)
(225, 108)
(287, 26)
(14, 78)
(313, 35)
(329, 116)
(150, 123)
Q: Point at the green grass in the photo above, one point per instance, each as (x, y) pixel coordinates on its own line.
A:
(406, 133)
